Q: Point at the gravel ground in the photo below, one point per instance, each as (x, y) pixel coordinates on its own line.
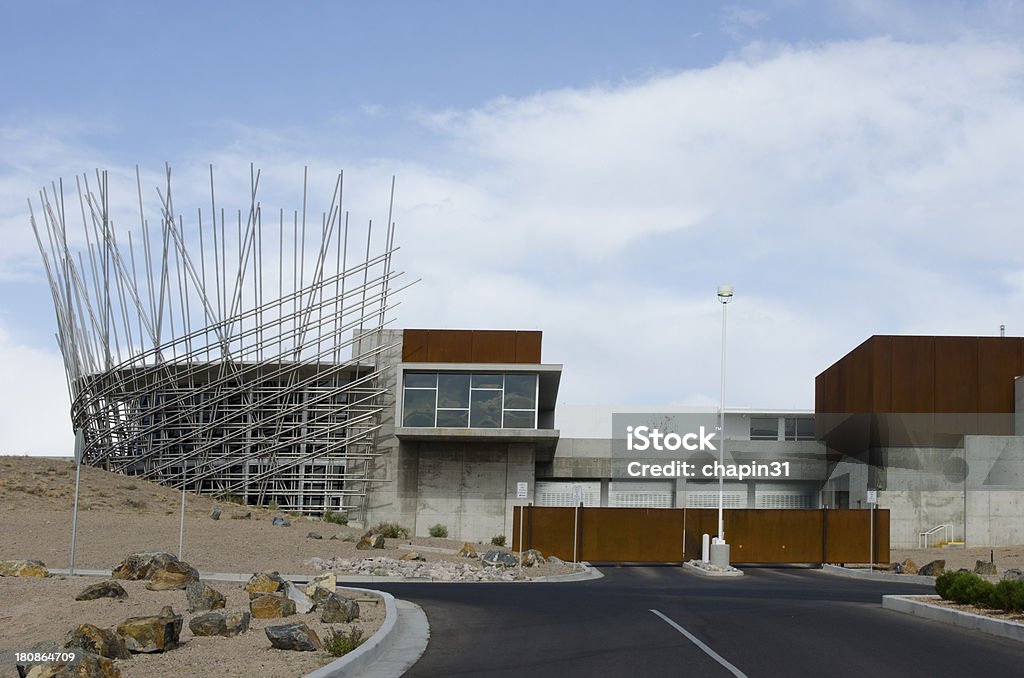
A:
(41, 610)
(1005, 556)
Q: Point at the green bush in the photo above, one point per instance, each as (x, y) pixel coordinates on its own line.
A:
(498, 540)
(964, 587)
(336, 517)
(1008, 595)
(392, 531)
(439, 530)
(339, 643)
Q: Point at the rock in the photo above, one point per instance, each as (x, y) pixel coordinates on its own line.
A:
(202, 597)
(84, 665)
(336, 609)
(219, 624)
(370, 541)
(242, 516)
(554, 560)
(321, 587)
(467, 551)
(215, 513)
(104, 642)
(908, 566)
(932, 569)
(105, 589)
(281, 521)
(413, 555)
(269, 606)
(164, 571)
(984, 567)
(532, 558)
(303, 603)
(158, 633)
(1013, 574)
(499, 559)
(297, 637)
(265, 582)
(23, 568)
(314, 535)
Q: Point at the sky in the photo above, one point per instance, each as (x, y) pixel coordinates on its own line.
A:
(593, 170)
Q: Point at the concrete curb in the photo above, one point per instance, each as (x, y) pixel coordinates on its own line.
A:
(877, 576)
(705, 573)
(947, 615)
(589, 572)
(370, 651)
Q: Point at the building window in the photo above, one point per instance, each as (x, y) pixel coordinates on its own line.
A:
(462, 400)
(764, 428)
(799, 428)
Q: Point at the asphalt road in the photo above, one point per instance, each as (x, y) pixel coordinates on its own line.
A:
(781, 622)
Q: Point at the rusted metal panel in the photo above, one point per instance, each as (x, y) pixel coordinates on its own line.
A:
(999, 361)
(956, 374)
(472, 346)
(774, 535)
(631, 535)
(881, 374)
(913, 374)
(414, 346)
(546, 528)
(450, 346)
(497, 346)
(847, 535)
(528, 345)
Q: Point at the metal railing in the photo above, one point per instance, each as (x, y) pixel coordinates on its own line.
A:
(924, 537)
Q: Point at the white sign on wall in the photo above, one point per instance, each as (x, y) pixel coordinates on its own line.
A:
(872, 496)
(577, 495)
(522, 490)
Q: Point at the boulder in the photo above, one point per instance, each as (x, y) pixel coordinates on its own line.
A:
(321, 587)
(984, 567)
(303, 603)
(499, 559)
(164, 571)
(370, 541)
(242, 516)
(281, 521)
(215, 513)
(532, 558)
(202, 597)
(265, 582)
(467, 551)
(554, 560)
(157, 633)
(908, 566)
(932, 569)
(105, 589)
(297, 637)
(23, 568)
(84, 665)
(314, 535)
(104, 642)
(412, 555)
(1013, 573)
(219, 624)
(337, 609)
(270, 606)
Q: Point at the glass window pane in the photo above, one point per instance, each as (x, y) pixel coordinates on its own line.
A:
(486, 381)
(519, 419)
(485, 409)
(453, 418)
(799, 428)
(764, 428)
(520, 391)
(420, 380)
(453, 390)
(419, 408)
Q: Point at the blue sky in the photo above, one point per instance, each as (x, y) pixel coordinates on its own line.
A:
(592, 169)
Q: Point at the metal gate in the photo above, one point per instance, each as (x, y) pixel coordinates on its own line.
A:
(756, 536)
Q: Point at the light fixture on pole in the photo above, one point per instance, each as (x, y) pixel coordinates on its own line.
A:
(724, 296)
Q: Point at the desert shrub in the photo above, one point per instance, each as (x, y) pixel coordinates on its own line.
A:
(233, 499)
(964, 587)
(340, 643)
(439, 530)
(336, 517)
(391, 531)
(134, 503)
(498, 540)
(272, 505)
(1008, 595)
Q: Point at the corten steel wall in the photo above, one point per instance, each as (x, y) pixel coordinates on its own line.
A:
(757, 536)
(968, 380)
(472, 346)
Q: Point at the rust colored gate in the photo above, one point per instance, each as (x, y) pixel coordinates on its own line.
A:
(756, 536)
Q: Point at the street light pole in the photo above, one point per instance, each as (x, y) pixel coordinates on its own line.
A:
(724, 296)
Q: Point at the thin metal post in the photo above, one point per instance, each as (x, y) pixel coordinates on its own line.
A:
(575, 533)
(521, 508)
(871, 540)
(181, 527)
(721, 449)
(74, 518)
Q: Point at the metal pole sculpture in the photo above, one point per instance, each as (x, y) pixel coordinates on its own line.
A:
(200, 360)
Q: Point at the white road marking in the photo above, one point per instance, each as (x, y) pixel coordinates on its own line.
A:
(707, 650)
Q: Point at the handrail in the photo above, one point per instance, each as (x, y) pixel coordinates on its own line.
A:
(924, 537)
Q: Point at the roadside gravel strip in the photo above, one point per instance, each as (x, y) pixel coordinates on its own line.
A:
(946, 615)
